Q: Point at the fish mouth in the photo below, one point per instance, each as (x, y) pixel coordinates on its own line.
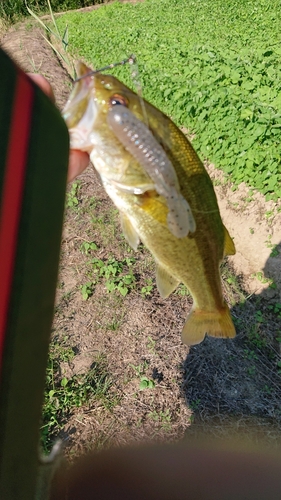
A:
(90, 95)
(77, 102)
(80, 111)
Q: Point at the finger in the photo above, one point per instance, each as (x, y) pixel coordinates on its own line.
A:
(43, 84)
(193, 470)
(78, 162)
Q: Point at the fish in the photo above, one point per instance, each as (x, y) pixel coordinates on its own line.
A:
(162, 190)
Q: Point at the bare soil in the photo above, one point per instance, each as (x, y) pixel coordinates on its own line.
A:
(218, 387)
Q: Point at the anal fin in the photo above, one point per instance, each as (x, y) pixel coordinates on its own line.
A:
(166, 283)
(129, 232)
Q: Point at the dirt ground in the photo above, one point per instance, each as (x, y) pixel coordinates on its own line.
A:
(218, 387)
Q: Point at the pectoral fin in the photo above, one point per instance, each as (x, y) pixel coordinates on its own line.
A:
(132, 188)
(229, 247)
(165, 282)
(129, 232)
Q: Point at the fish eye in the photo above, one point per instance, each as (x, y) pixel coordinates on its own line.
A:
(118, 99)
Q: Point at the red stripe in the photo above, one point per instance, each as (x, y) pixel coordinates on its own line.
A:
(13, 192)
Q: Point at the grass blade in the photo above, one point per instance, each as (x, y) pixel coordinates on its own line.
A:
(53, 18)
(65, 38)
(47, 28)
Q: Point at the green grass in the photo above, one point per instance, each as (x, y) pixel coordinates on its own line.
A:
(144, 381)
(71, 195)
(64, 394)
(121, 271)
(116, 275)
(163, 417)
(213, 65)
(13, 9)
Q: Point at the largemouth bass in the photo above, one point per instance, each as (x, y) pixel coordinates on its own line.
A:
(163, 193)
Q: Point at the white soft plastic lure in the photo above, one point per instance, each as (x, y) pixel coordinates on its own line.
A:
(140, 142)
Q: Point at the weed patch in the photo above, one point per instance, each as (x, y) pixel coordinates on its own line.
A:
(13, 9)
(64, 394)
(116, 275)
(72, 195)
(213, 67)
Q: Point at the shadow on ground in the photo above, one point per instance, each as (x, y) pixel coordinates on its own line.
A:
(234, 386)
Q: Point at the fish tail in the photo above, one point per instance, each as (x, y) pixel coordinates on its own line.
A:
(216, 324)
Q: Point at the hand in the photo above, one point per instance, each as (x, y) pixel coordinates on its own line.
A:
(78, 160)
(192, 469)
